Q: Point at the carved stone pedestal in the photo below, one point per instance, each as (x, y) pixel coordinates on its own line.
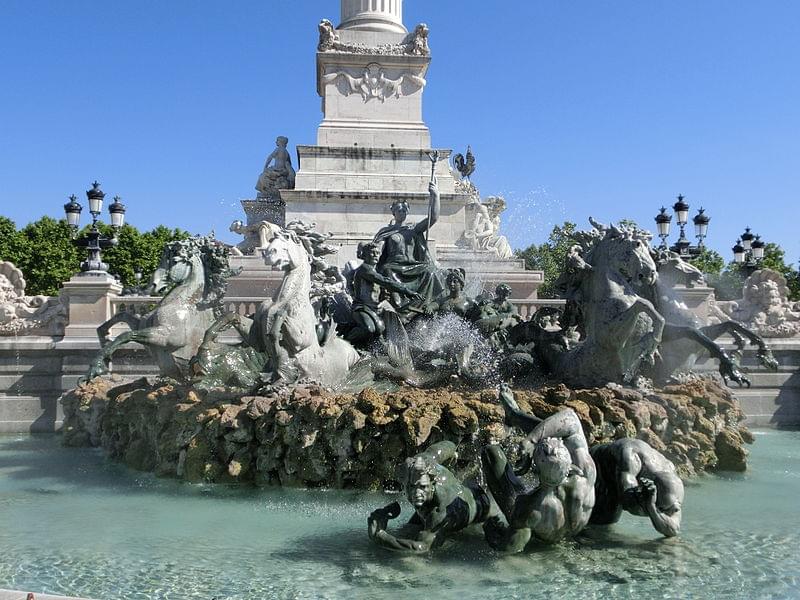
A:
(88, 297)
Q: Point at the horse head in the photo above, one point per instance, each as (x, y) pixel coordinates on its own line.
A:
(181, 264)
(673, 270)
(173, 268)
(284, 250)
(627, 251)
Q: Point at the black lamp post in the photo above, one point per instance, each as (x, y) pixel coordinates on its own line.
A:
(701, 220)
(682, 246)
(749, 250)
(663, 221)
(94, 242)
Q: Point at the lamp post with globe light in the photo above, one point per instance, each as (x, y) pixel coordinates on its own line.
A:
(94, 241)
(683, 247)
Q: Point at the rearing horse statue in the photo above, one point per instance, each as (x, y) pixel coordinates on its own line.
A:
(284, 328)
(193, 274)
(622, 319)
(610, 331)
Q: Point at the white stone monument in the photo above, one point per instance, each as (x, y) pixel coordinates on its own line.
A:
(373, 148)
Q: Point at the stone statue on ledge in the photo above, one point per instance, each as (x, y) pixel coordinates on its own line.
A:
(27, 314)
(483, 232)
(415, 43)
(764, 306)
(278, 173)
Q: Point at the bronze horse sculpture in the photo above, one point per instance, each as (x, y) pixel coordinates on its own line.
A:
(192, 275)
(284, 329)
(622, 320)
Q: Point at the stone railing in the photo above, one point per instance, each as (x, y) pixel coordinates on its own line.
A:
(138, 305)
(528, 307)
(247, 305)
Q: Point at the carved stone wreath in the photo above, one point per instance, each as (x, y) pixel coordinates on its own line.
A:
(374, 83)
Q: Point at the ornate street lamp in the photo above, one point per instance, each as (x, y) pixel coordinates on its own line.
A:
(94, 242)
(747, 239)
(681, 212)
(749, 250)
(663, 221)
(683, 246)
(738, 252)
(701, 226)
(758, 248)
(73, 211)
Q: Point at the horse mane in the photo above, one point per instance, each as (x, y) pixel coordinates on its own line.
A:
(215, 257)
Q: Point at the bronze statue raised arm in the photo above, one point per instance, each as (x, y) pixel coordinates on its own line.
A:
(406, 257)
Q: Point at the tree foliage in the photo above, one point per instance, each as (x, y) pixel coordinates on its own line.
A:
(47, 256)
(550, 256)
(728, 284)
(13, 245)
(710, 262)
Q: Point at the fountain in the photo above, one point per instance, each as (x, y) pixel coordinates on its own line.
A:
(374, 367)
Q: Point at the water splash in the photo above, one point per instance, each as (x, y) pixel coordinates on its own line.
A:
(530, 216)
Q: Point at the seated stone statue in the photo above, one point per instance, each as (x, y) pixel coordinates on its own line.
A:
(633, 476)
(443, 505)
(455, 301)
(368, 285)
(560, 506)
(406, 257)
(483, 232)
(278, 173)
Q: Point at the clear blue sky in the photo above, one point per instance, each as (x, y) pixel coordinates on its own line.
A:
(572, 108)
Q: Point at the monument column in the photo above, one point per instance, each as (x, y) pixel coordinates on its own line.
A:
(373, 15)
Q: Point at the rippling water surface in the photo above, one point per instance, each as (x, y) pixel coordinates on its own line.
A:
(73, 522)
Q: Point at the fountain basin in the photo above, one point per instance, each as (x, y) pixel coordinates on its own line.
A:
(74, 522)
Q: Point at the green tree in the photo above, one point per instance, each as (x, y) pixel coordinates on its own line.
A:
(550, 256)
(52, 257)
(45, 252)
(710, 262)
(13, 245)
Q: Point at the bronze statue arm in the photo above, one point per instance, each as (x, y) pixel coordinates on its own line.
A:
(565, 425)
(505, 539)
(514, 415)
(371, 275)
(666, 522)
(379, 520)
(435, 209)
(441, 452)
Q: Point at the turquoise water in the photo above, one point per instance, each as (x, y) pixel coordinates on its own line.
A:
(73, 522)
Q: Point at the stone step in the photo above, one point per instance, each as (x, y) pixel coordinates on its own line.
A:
(768, 407)
(30, 414)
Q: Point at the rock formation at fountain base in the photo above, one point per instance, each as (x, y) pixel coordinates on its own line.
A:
(309, 437)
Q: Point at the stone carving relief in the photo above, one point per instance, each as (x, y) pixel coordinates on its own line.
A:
(374, 83)
(21, 314)
(483, 227)
(415, 43)
(764, 306)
